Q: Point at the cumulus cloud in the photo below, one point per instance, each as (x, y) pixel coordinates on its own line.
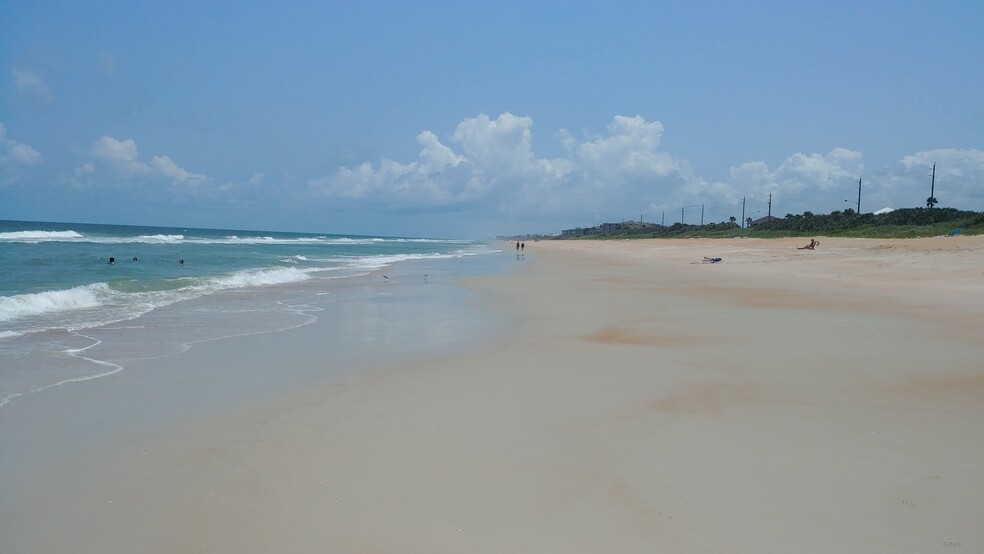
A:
(122, 160)
(631, 147)
(431, 180)
(956, 184)
(488, 166)
(503, 145)
(492, 162)
(12, 151)
(826, 182)
(120, 155)
(951, 161)
(31, 85)
(800, 172)
(168, 168)
(801, 178)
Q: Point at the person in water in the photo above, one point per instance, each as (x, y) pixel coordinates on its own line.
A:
(112, 260)
(181, 263)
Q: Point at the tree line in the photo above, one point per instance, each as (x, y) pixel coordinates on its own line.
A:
(904, 222)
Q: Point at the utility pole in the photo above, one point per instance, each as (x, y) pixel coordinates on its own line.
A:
(742, 212)
(701, 214)
(859, 195)
(932, 187)
(770, 207)
(662, 221)
(681, 214)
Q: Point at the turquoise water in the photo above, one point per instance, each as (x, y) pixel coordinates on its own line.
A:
(62, 303)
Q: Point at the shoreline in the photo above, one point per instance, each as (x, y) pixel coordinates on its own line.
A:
(630, 399)
(72, 356)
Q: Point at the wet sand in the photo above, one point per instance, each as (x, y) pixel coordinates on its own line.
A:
(632, 399)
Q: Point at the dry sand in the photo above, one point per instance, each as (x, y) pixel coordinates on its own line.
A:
(780, 401)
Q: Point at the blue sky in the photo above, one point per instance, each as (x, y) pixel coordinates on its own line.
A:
(471, 119)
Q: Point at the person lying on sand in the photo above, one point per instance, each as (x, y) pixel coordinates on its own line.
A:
(813, 244)
(708, 260)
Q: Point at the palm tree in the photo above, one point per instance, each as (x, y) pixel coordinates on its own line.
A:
(931, 201)
(732, 219)
(748, 221)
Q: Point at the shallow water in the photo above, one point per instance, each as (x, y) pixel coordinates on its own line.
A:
(67, 315)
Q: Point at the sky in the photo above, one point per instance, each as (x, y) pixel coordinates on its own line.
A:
(477, 119)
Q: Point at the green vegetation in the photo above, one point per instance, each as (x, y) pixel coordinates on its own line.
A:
(902, 223)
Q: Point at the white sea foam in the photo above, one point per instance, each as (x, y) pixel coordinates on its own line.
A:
(23, 305)
(262, 277)
(39, 236)
(167, 239)
(35, 236)
(379, 262)
(55, 308)
(105, 369)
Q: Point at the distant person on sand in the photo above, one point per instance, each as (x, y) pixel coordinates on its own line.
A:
(517, 245)
(522, 246)
(813, 244)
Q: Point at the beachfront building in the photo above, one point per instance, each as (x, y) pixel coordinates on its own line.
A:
(578, 232)
(763, 220)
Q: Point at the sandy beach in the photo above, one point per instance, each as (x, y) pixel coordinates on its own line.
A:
(628, 399)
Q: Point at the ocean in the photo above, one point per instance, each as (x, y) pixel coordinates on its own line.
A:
(78, 301)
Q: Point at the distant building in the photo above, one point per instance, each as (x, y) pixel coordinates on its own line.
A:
(764, 220)
(609, 228)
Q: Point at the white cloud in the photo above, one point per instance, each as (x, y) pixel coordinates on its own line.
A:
(16, 152)
(31, 85)
(826, 182)
(489, 167)
(800, 174)
(959, 173)
(631, 147)
(121, 158)
(22, 153)
(950, 161)
(501, 145)
(495, 167)
(435, 156)
(115, 151)
(431, 180)
(168, 168)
